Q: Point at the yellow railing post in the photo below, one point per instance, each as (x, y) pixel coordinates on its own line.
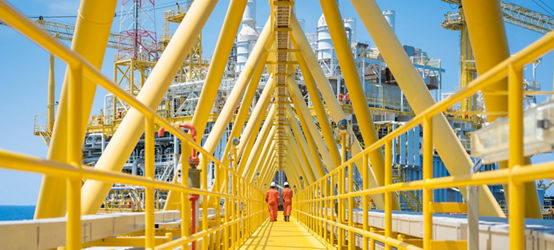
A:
(351, 243)
(204, 176)
(388, 194)
(186, 213)
(218, 183)
(516, 193)
(365, 201)
(149, 145)
(427, 175)
(73, 225)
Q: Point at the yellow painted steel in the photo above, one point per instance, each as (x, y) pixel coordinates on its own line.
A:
(311, 132)
(233, 100)
(299, 155)
(130, 129)
(260, 159)
(516, 192)
(320, 110)
(486, 31)
(89, 40)
(264, 138)
(51, 95)
(449, 147)
(514, 176)
(75, 173)
(149, 147)
(217, 65)
(352, 80)
(301, 141)
(248, 139)
(335, 110)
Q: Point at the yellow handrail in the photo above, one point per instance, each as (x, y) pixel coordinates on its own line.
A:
(249, 196)
(316, 197)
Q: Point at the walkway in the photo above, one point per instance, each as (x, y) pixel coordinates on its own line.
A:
(281, 235)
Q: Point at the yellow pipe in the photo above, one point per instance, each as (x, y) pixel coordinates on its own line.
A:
(234, 97)
(149, 170)
(330, 99)
(244, 107)
(248, 138)
(89, 40)
(310, 130)
(51, 96)
(296, 153)
(490, 46)
(449, 147)
(130, 129)
(352, 80)
(218, 63)
(262, 139)
(302, 143)
(516, 192)
(319, 110)
(74, 156)
(257, 161)
(427, 175)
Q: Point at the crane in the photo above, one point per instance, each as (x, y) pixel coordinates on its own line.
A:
(513, 14)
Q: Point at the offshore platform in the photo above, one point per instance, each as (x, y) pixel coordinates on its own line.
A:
(377, 155)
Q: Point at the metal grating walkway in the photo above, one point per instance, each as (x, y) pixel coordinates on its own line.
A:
(282, 235)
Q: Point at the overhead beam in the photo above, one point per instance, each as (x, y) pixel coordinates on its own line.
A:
(490, 46)
(218, 63)
(308, 124)
(330, 99)
(352, 80)
(90, 39)
(132, 127)
(321, 114)
(449, 147)
(309, 153)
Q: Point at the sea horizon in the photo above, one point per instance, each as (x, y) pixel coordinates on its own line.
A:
(17, 212)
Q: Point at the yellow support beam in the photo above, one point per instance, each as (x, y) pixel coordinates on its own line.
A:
(352, 80)
(299, 160)
(218, 63)
(89, 40)
(335, 110)
(310, 130)
(490, 46)
(131, 128)
(248, 137)
(261, 157)
(309, 154)
(449, 147)
(319, 108)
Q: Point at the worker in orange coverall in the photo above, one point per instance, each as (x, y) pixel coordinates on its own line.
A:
(287, 201)
(272, 199)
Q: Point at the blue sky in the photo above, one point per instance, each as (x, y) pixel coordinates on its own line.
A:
(24, 74)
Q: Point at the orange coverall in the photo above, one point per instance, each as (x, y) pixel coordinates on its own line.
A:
(287, 201)
(272, 199)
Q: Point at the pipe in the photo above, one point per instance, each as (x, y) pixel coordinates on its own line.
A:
(352, 81)
(449, 147)
(490, 46)
(92, 30)
(218, 63)
(335, 110)
(132, 126)
(51, 96)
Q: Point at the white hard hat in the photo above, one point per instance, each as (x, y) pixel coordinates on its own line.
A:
(272, 184)
(286, 183)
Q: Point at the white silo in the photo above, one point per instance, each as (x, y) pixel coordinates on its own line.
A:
(247, 36)
(324, 43)
(390, 15)
(350, 28)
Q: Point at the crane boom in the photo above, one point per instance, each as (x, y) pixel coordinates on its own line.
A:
(527, 18)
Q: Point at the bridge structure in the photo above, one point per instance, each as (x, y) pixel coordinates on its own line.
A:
(280, 135)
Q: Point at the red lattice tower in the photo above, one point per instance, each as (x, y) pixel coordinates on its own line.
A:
(137, 28)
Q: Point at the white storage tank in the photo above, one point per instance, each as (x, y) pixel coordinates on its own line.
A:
(248, 35)
(325, 48)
